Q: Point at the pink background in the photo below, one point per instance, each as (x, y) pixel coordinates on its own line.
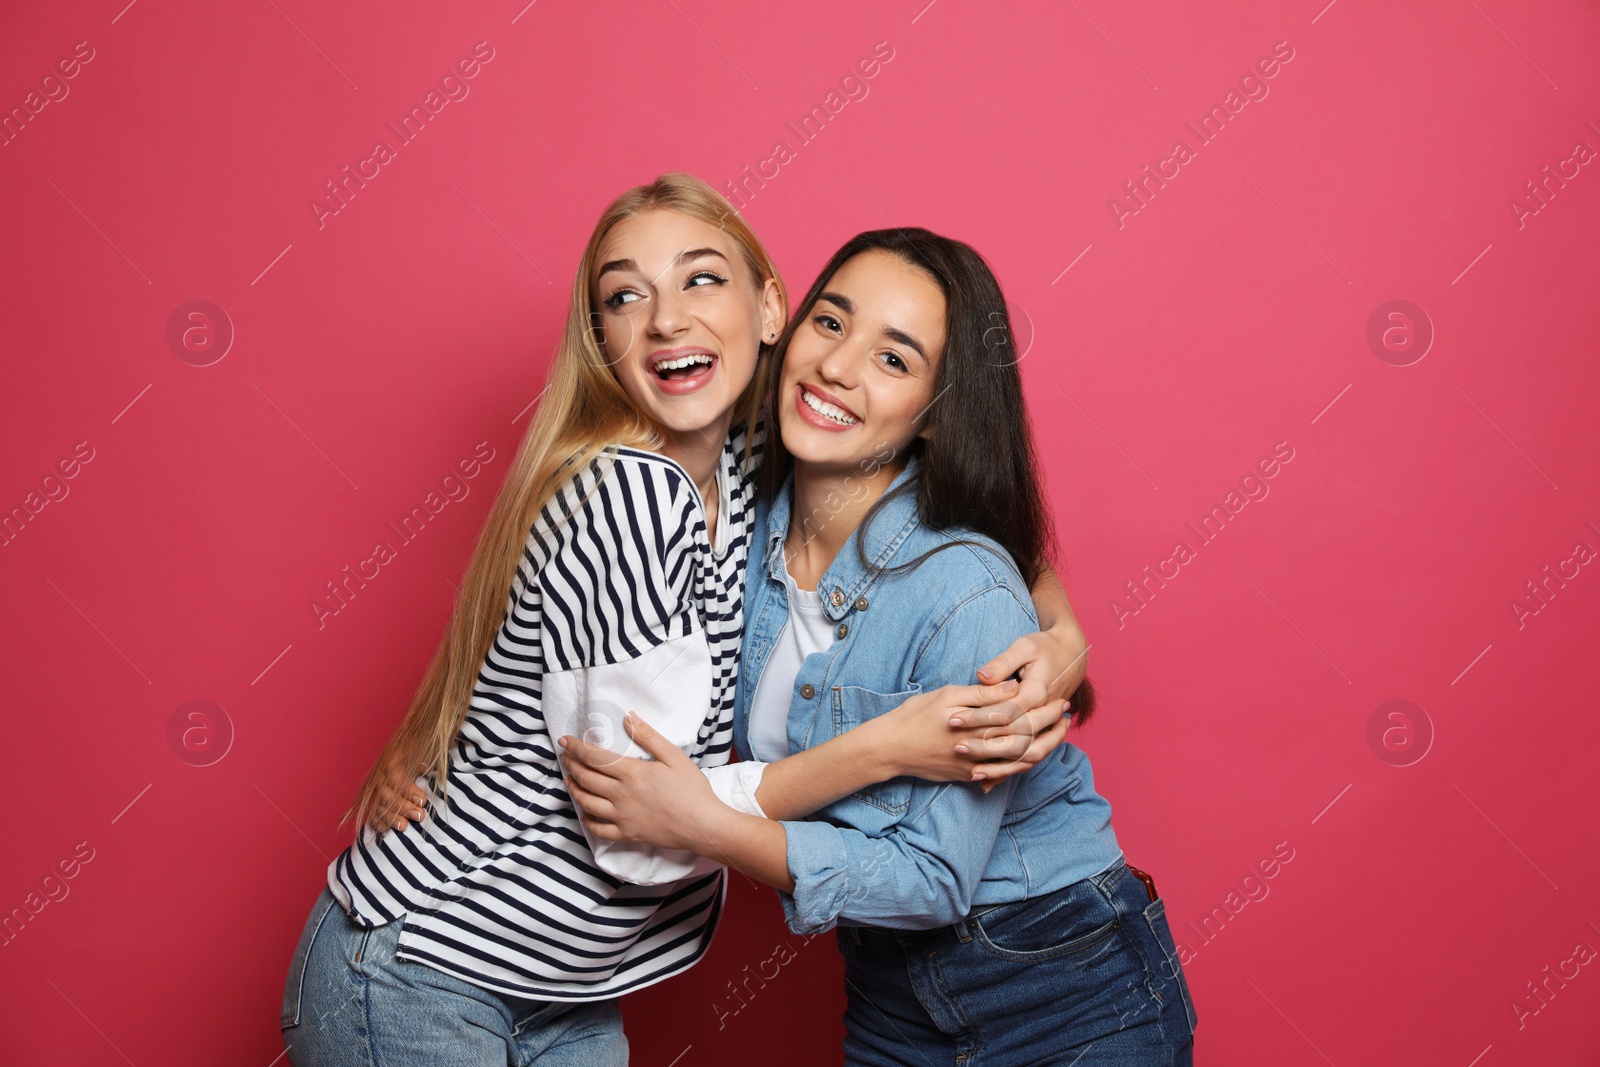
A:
(1168, 355)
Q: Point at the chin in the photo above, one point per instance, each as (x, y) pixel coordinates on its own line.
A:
(702, 416)
(808, 445)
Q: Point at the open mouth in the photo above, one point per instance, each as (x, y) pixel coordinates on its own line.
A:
(683, 370)
(823, 411)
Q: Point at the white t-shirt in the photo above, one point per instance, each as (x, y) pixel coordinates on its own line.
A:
(808, 630)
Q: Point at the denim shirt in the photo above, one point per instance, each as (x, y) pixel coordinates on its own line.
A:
(906, 853)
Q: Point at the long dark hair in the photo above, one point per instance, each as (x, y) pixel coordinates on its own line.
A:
(978, 469)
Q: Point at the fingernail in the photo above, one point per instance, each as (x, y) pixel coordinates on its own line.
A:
(1009, 686)
(984, 673)
(630, 716)
(562, 741)
(963, 749)
(957, 722)
(978, 776)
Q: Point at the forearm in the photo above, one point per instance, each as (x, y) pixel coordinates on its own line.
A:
(1057, 619)
(798, 785)
(758, 847)
(1050, 603)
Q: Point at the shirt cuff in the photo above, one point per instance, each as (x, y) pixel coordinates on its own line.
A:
(736, 783)
(820, 867)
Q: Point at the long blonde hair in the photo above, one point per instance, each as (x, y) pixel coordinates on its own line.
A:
(584, 409)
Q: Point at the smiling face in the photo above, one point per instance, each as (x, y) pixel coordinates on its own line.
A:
(859, 372)
(681, 318)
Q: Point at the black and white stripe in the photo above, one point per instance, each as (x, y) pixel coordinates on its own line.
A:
(499, 887)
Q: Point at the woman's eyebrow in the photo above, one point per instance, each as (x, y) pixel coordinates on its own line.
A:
(839, 301)
(691, 254)
(688, 255)
(906, 339)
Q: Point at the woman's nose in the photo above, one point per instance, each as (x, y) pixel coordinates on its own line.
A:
(668, 316)
(842, 364)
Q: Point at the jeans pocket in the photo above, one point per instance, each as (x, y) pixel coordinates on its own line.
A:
(1155, 916)
(294, 984)
(530, 1013)
(1075, 921)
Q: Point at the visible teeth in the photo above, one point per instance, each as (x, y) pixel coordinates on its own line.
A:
(822, 407)
(684, 361)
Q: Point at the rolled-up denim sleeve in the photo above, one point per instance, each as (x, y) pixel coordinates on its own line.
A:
(923, 874)
(925, 869)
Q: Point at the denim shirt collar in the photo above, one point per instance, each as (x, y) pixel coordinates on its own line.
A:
(846, 579)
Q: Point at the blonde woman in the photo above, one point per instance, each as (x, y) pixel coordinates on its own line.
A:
(609, 577)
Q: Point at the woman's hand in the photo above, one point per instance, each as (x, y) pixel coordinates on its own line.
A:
(1052, 664)
(665, 801)
(399, 799)
(934, 735)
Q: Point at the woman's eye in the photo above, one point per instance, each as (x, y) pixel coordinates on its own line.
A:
(827, 322)
(711, 278)
(893, 361)
(620, 297)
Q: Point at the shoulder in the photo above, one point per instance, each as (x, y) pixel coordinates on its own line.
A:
(619, 493)
(958, 601)
(614, 559)
(642, 473)
(961, 564)
(624, 525)
(969, 603)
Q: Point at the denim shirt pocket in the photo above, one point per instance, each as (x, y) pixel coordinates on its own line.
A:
(876, 809)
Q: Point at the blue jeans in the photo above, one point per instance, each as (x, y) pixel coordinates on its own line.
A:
(1086, 976)
(349, 1002)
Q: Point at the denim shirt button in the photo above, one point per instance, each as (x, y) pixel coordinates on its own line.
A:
(842, 630)
(837, 598)
(808, 691)
(861, 603)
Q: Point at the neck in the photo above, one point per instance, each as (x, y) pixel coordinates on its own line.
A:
(699, 452)
(829, 504)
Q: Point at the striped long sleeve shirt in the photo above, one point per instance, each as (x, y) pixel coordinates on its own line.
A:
(621, 601)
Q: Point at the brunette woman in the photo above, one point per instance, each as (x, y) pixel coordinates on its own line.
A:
(1000, 927)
